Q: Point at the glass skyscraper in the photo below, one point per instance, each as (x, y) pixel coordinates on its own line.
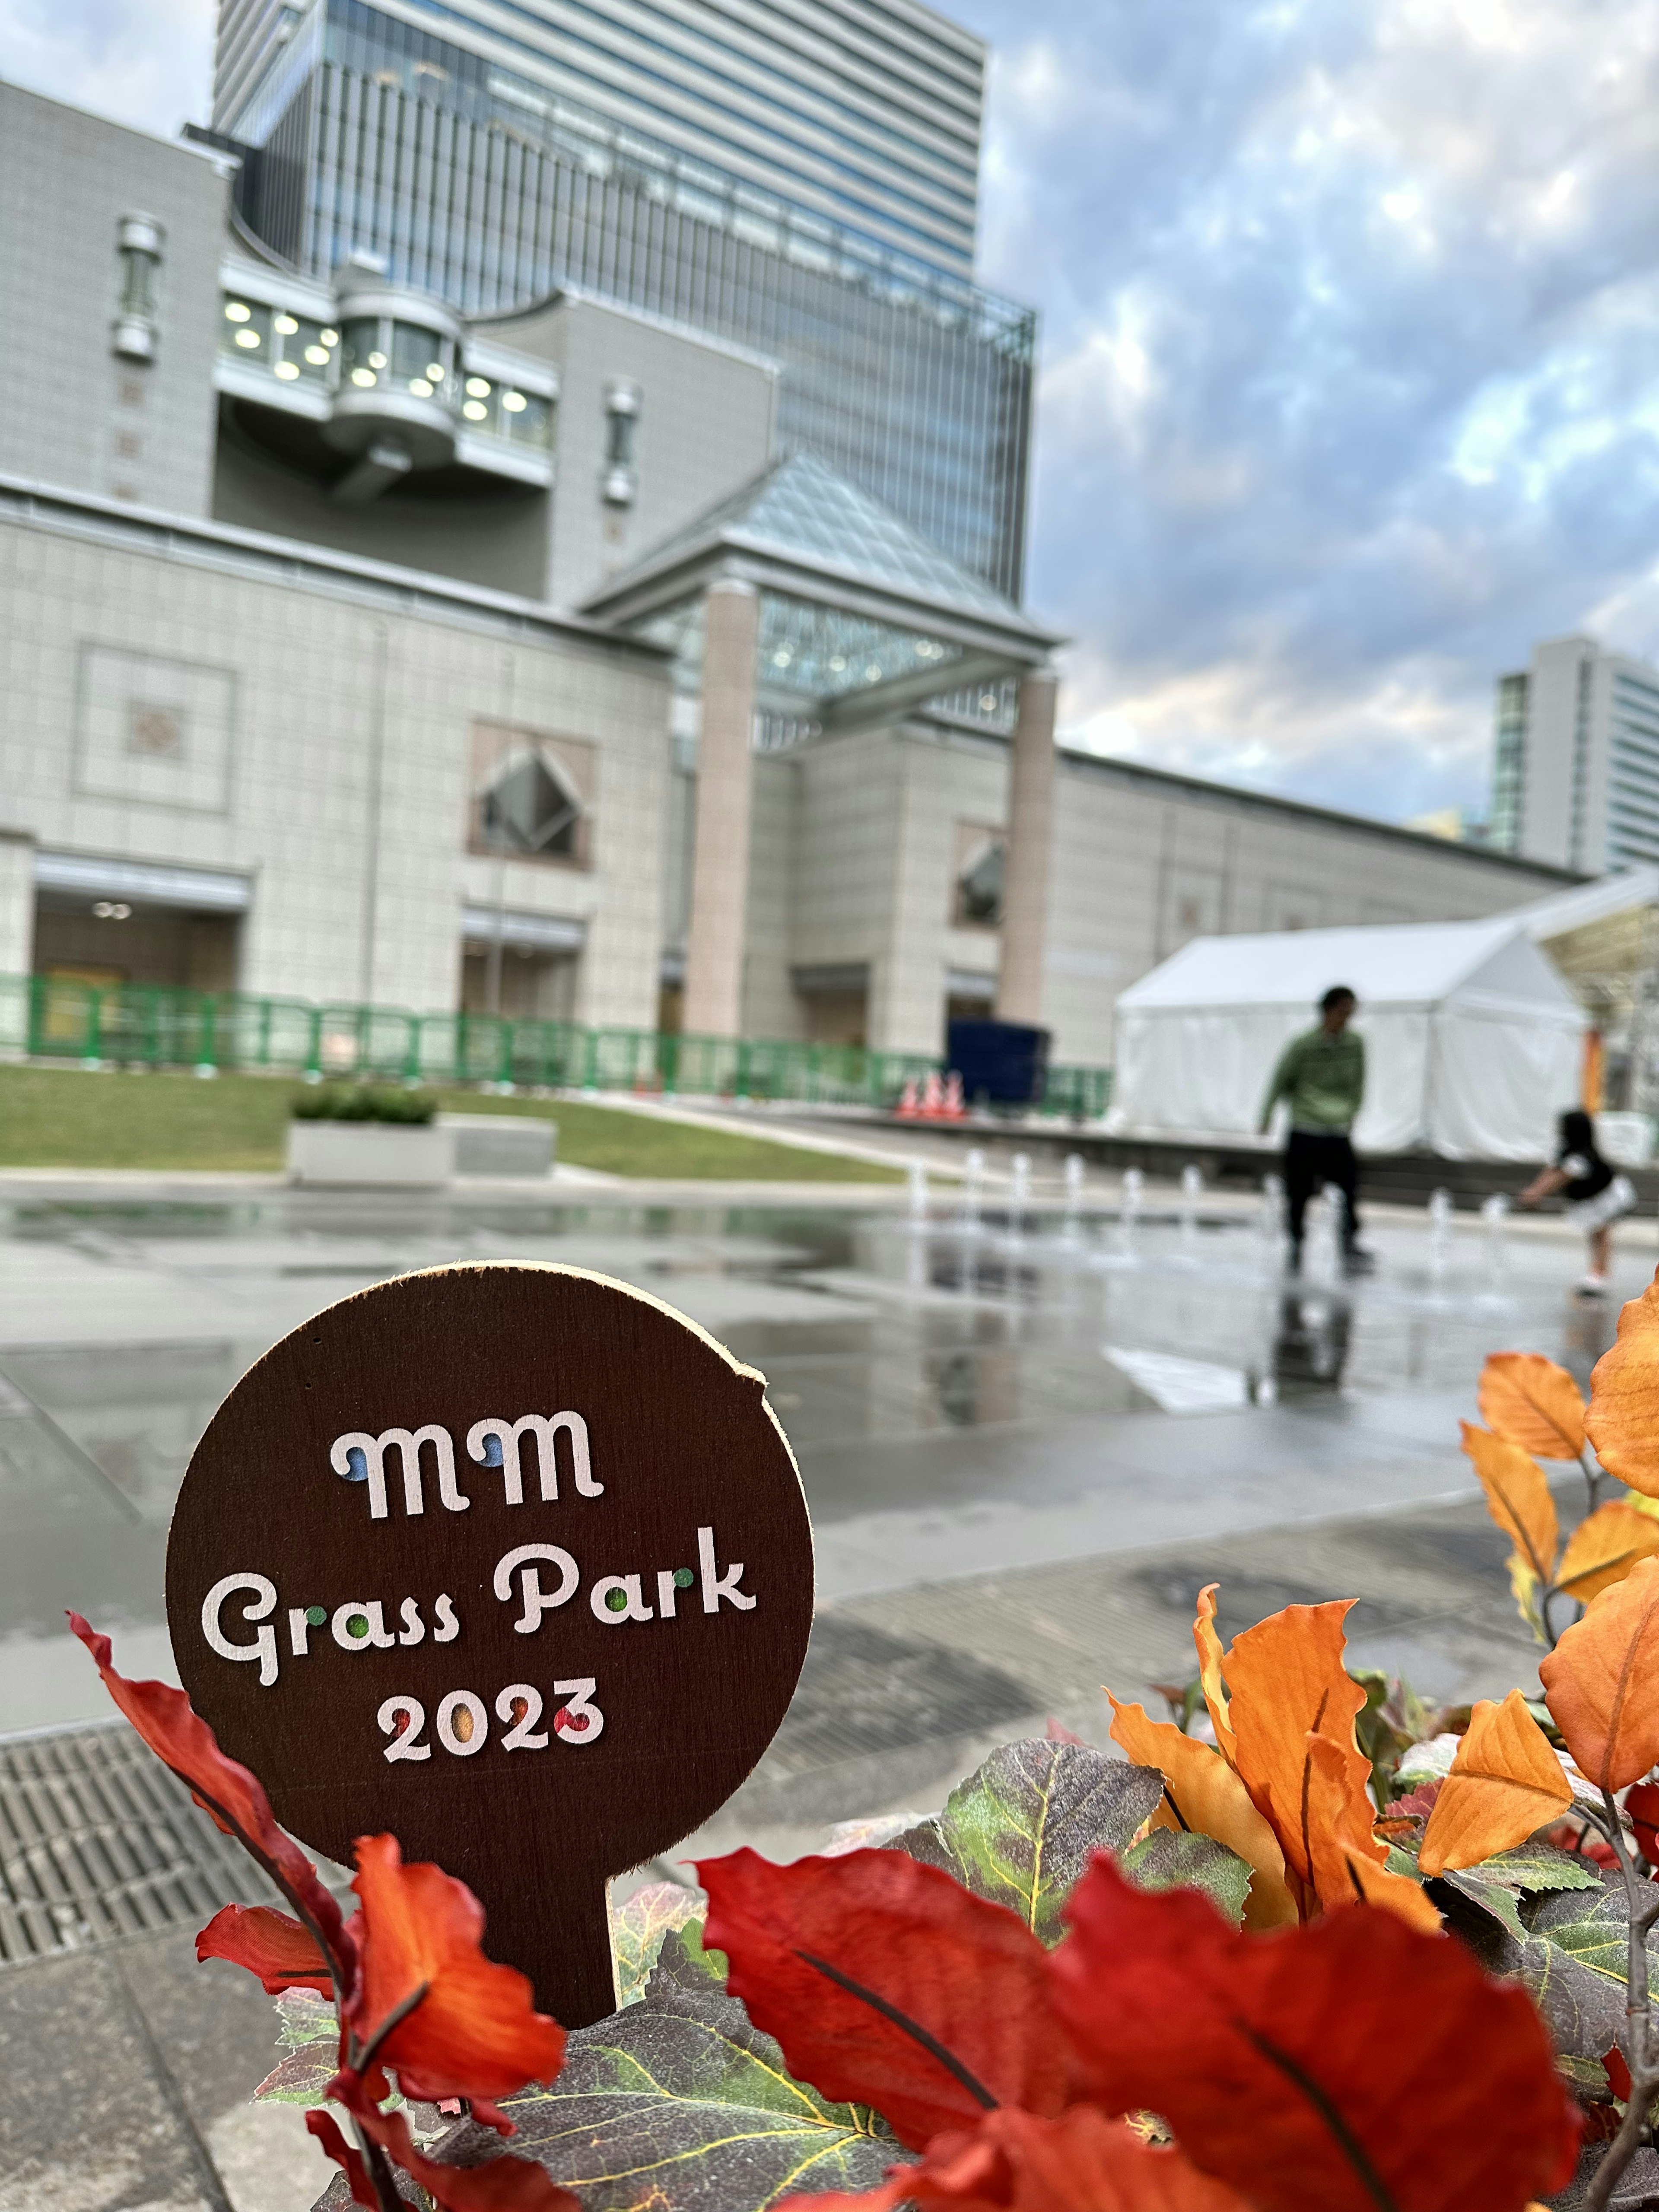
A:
(797, 178)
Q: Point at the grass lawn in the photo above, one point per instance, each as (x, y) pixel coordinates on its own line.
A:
(54, 1117)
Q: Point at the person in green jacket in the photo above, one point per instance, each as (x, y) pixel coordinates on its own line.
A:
(1323, 1074)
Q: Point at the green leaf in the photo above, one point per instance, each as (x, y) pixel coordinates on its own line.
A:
(680, 2100)
(1020, 1830)
(1573, 1959)
(1540, 1867)
(308, 2035)
(638, 1927)
(1498, 1884)
(1170, 1858)
(1497, 1897)
(302, 2077)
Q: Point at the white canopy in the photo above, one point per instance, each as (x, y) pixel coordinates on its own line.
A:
(1473, 1043)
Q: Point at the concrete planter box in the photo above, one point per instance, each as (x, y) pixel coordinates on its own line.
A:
(501, 1144)
(396, 1153)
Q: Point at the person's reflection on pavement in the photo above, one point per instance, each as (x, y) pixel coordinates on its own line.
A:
(1310, 1348)
(1590, 1328)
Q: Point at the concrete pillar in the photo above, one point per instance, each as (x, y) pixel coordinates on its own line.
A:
(719, 852)
(17, 902)
(1030, 832)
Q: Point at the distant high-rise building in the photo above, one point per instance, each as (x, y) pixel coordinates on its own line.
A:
(796, 177)
(1576, 759)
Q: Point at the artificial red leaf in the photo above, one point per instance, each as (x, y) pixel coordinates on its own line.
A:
(1624, 1416)
(327, 2130)
(503, 2185)
(1350, 2064)
(1601, 1682)
(1015, 2162)
(1532, 1402)
(888, 1983)
(1505, 1784)
(185, 1744)
(281, 1951)
(1642, 1804)
(1404, 1811)
(476, 2033)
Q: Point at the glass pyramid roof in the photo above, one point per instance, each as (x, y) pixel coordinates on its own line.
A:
(801, 510)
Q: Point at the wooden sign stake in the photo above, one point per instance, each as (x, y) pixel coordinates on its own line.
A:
(510, 1561)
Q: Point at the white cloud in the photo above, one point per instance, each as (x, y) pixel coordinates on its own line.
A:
(1351, 364)
(148, 63)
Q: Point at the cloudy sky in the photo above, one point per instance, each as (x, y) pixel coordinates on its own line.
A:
(1351, 352)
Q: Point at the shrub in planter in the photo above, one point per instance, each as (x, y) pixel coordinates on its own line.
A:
(365, 1101)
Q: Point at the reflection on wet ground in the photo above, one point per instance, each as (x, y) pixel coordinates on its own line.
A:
(866, 1325)
(962, 1397)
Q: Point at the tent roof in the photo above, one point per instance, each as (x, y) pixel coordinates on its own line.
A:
(1564, 911)
(1388, 964)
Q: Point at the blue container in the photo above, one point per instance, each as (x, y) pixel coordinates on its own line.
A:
(1000, 1063)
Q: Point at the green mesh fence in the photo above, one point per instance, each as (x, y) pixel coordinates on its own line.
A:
(147, 1025)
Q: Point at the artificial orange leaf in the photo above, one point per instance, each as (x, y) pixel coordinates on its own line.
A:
(186, 1745)
(1529, 1401)
(1015, 2162)
(1624, 1411)
(1350, 2065)
(888, 1983)
(1347, 1863)
(1209, 1668)
(503, 2185)
(281, 1951)
(1517, 1498)
(476, 2033)
(1603, 1548)
(1202, 1793)
(1289, 1683)
(1601, 1682)
(1505, 1784)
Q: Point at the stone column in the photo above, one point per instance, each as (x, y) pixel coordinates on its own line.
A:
(719, 852)
(1030, 831)
(16, 903)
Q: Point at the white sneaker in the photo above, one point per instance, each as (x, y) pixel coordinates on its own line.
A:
(1592, 1286)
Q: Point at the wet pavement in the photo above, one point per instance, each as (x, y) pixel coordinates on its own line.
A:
(966, 1391)
(1027, 1438)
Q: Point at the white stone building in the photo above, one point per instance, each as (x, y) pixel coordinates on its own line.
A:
(357, 652)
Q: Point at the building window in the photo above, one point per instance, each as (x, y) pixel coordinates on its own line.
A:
(622, 422)
(138, 244)
(294, 348)
(982, 870)
(1508, 763)
(530, 809)
(490, 409)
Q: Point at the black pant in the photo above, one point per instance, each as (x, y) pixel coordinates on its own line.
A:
(1311, 1160)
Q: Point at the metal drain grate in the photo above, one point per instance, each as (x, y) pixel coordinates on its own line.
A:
(98, 1841)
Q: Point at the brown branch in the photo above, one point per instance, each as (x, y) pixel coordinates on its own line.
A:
(1592, 1480)
(1641, 2045)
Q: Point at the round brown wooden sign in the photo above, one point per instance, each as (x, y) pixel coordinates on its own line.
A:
(511, 1561)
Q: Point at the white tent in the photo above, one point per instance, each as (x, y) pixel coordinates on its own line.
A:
(1473, 1043)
